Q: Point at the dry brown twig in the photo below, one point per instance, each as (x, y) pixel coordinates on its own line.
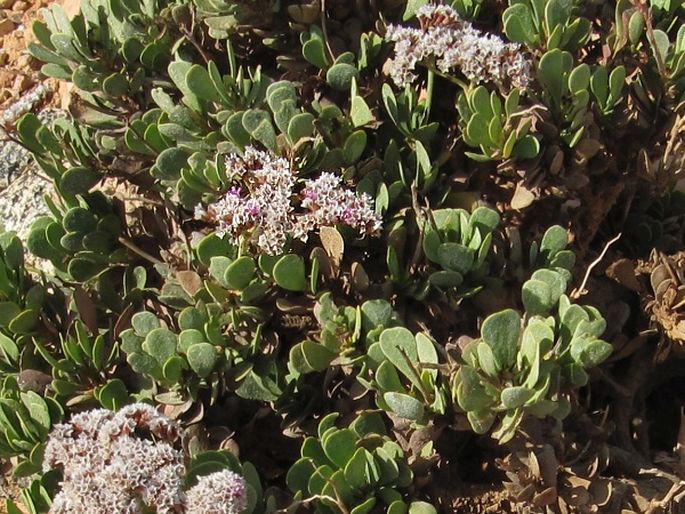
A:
(580, 291)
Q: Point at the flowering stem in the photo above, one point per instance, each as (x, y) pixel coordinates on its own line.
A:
(135, 249)
(324, 29)
(429, 92)
(452, 79)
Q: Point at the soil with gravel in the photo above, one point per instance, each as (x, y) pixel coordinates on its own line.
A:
(22, 89)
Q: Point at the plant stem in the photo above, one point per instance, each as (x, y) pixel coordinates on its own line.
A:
(324, 29)
(454, 80)
(429, 93)
(139, 251)
(198, 47)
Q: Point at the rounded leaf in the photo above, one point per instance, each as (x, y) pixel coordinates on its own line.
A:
(82, 269)
(299, 474)
(317, 356)
(404, 405)
(537, 297)
(515, 396)
(240, 273)
(113, 395)
(160, 343)
(340, 446)
(399, 347)
(289, 273)
(78, 180)
(501, 332)
(78, 219)
(589, 352)
(419, 507)
(202, 358)
(144, 322)
(456, 257)
(339, 76)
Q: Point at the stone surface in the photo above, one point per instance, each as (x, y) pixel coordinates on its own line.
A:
(22, 202)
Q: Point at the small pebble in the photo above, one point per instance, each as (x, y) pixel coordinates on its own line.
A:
(19, 6)
(23, 61)
(21, 83)
(6, 26)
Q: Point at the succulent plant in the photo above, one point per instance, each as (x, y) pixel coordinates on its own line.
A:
(20, 302)
(546, 25)
(404, 372)
(265, 211)
(342, 330)
(217, 337)
(459, 243)
(657, 29)
(342, 70)
(225, 18)
(26, 418)
(82, 372)
(567, 89)
(499, 129)
(66, 152)
(524, 366)
(80, 239)
(110, 50)
(243, 111)
(552, 252)
(352, 469)
(409, 114)
(178, 361)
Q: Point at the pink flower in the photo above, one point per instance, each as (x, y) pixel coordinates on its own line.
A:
(261, 208)
(329, 204)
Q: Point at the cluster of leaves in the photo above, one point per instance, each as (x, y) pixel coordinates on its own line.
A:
(434, 321)
(353, 468)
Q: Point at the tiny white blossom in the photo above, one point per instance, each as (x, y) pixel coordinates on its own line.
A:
(119, 462)
(455, 43)
(110, 469)
(261, 205)
(223, 492)
(329, 204)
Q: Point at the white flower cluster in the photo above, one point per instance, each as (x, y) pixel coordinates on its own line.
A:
(219, 493)
(327, 203)
(114, 463)
(108, 468)
(262, 206)
(455, 43)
